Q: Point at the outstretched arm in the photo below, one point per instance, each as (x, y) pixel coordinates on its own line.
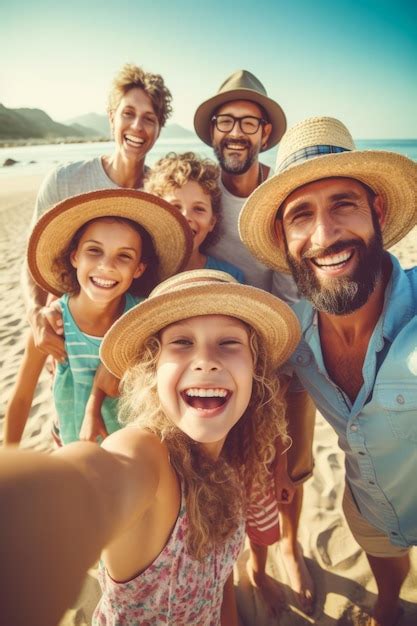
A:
(58, 512)
(20, 401)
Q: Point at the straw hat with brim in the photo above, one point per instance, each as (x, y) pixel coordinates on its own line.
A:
(169, 230)
(322, 147)
(195, 293)
(242, 85)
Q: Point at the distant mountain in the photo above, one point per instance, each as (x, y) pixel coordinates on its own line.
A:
(101, 124)
(36, 124)
(175, 131)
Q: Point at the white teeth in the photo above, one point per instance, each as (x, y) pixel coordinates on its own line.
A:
(102, 282)
(134, 140)
(206, 393)
(334, 259)
(235, 146)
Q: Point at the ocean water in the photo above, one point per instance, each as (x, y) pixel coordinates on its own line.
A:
(40, 159)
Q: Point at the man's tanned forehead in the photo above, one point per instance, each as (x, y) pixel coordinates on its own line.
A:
(298, 204)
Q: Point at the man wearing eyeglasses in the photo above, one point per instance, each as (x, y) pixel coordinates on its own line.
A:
(239, 122)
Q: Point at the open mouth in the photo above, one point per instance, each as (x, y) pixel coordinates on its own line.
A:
(333, 261)
(133, 141)
(206, 399)
(103, 283)
(235, 147)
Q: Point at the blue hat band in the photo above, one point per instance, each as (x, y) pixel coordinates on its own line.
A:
(309, 153)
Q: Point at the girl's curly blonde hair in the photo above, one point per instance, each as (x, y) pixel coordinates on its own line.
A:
(131, 76)
(214, 491)
(175, 170)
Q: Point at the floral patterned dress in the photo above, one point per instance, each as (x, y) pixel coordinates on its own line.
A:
(175, 589)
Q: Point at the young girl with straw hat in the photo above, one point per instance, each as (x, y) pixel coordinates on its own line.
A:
(164, 496)
(101, 252)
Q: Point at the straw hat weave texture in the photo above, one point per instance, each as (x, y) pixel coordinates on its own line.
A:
(196, 293)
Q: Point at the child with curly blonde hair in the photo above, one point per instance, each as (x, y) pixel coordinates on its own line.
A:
(190, 183)
(164, 497)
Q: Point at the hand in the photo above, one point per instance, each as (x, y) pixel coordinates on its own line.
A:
(93, 425)
(47, 328)
(284, 488)
(285, 495)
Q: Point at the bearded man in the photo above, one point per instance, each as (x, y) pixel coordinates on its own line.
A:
(328, 216)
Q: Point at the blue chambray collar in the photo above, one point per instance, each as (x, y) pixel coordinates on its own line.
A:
(399, 302)
(393, 317)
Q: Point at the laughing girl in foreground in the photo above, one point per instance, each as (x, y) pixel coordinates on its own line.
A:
(163, 498)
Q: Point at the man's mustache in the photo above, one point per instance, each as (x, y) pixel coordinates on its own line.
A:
(335, 248)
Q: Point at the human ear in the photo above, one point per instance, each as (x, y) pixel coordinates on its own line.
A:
(213, 222)
(379, 208)
(140, 269)
(73, 259)
(110, 115)
(266, 131)
(279, 233)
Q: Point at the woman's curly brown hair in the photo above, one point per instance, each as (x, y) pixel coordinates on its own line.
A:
(66, 274)
(131, 76)
(214, 490)
(175, 170)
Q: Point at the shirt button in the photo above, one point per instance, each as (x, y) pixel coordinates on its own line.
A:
(371, 482)
(354, 428)
(361, 453)
(400, 399)
(394, 533)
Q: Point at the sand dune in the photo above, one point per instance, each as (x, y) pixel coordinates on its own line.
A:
(339, 567)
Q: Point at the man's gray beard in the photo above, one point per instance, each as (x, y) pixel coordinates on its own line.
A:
(347, 293)
(232, 164)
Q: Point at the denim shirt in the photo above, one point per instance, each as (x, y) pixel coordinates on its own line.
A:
(378, 432)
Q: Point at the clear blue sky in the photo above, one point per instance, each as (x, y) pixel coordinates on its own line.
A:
(356, 60)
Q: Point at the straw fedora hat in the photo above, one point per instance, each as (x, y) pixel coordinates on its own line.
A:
(195, 293)
(169, 230)
(322, 147)
(242, 85)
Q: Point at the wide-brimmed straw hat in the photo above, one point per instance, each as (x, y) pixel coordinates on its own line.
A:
(322, 147)
(242, 85)
(195, 293)
(51, 236)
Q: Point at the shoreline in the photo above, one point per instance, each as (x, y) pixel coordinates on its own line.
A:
(51, 141)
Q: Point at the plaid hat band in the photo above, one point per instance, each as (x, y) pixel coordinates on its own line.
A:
(303, 154)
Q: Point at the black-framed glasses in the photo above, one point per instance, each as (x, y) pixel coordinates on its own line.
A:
(248, 124)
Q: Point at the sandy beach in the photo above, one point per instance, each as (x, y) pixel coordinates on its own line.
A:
(339, 567)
